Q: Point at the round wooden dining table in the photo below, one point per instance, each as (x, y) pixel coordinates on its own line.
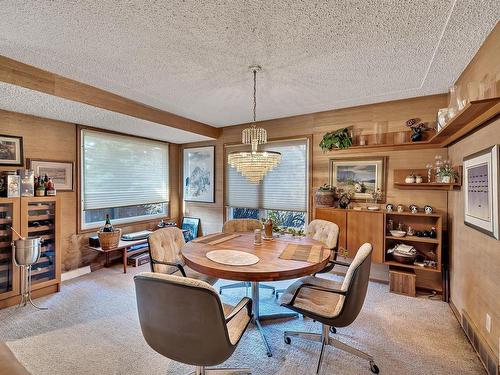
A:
(270, 266)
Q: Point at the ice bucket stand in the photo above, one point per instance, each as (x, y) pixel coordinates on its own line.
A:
(27, 252)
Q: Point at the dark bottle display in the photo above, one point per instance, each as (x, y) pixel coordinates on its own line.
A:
(107, 226)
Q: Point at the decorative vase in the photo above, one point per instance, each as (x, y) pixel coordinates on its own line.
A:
(344, 202)
(325, 197)
(416, 136)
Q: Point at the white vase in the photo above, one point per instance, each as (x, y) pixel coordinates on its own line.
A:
(446, 179)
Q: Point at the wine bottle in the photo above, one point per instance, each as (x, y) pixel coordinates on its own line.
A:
(107, 226)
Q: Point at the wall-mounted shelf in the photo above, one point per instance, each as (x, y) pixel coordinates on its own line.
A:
(400, 174)
(475, 113)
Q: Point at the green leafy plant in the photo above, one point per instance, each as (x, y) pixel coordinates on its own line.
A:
(447, 170)
(337, 139)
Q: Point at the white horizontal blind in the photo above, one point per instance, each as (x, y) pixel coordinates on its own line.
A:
(284, 188)
(120, 171)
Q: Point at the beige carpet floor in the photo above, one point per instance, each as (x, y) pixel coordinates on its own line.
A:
(91, 327)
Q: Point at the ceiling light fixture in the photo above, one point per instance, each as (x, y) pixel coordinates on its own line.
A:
(254, 165)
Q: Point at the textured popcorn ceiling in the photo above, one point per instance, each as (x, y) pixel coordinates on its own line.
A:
(191, 57)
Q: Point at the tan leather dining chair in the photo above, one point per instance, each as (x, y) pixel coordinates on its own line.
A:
(165, 247)
(183, 319)
(243, 225)
(332, 304)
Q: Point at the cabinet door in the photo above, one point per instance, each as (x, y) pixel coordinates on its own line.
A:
(9, 273)
(40, 218)
(338, 217)
(365, 227)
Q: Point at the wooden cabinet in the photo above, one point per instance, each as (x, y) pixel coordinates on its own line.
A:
(31, 217)
(9, 273)
(362, 227)
(356, 228)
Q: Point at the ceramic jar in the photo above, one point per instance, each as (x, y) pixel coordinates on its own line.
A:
(401, 208)
(428, 209)
(418, 179)
(410, 179)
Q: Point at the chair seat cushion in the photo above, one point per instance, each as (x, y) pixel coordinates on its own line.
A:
(9, 365)
(320, 303)
(199, 276)
(236, 326)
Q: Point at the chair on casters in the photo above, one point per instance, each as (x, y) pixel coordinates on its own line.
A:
(327, 233)
(183, 319)
(165, 247)
(332, 304)
(243, 225)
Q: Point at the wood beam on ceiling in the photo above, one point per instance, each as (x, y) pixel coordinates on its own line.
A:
(28, 76)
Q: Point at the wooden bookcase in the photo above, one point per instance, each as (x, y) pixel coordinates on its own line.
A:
(31, 216)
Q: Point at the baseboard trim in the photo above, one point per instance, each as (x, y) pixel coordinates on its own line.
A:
(65, 276)
(455, 312)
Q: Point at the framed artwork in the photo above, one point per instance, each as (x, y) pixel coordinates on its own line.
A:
(361, 175)
(61, 172)
(199, 174)
(11, 150)
(190, 227)
(481, 181)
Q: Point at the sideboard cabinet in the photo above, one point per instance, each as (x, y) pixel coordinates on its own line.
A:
(31, 217)
(356, 228)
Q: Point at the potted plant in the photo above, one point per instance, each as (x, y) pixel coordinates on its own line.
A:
(325, 195)
(345, 197)
(446, 173)
(337, 139)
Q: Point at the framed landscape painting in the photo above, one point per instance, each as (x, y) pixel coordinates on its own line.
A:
(11, 150)
(61, 172)
(363, 176)
(481, 179)
(199, 174)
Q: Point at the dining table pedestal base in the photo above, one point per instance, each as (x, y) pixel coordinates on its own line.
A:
(257, 318)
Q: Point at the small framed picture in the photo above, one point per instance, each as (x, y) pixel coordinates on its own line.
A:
(199, 173)
(190, 227)
(61, 172)
(11, 150)
(481, 179)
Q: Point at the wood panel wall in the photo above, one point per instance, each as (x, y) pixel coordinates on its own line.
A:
(57, 140)
(475, 257)
(391, 115)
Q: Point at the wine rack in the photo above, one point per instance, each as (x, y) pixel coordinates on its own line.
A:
(40, 218)
(9, 274)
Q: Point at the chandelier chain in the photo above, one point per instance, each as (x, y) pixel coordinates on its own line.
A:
(254, 96)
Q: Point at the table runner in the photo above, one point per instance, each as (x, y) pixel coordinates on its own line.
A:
(216, 238)
(304, 253)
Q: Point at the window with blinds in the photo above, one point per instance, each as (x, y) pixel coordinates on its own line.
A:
(283, 192)
(125, 177)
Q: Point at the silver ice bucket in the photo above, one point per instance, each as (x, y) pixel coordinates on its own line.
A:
(27, 251)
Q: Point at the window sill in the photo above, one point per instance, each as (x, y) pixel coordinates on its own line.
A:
(152, 222)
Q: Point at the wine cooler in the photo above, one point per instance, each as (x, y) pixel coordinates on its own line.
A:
(31, 217)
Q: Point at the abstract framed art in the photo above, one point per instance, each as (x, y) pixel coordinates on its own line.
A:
(11, 150)
(481, 201)
(363, 176)
(199, 174)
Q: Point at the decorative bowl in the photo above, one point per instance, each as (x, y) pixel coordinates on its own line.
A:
(398, 233)
(406, 259)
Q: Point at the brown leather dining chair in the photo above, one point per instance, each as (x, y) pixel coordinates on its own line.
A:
(183, 319)
(243, 225)
(165, 247)
(332, 304)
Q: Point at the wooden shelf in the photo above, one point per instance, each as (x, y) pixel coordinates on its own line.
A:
(41, 228)
(40, 217)
(407, 213)
(5, 221)
(426, 186)
(414, 239)
(475, 114)
(410, 266)
(39, 207)
(4, 209)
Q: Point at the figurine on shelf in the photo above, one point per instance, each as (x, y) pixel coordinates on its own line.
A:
(429, 172)
(417, 129)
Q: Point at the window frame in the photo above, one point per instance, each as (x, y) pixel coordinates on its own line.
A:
(308, 138)
(84, 228)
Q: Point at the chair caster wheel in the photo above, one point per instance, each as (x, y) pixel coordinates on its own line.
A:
(333, 330)
(374, 368)
(288, 340)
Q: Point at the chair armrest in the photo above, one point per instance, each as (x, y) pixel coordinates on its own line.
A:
(245, 302)
(316, 287)
(178, 265)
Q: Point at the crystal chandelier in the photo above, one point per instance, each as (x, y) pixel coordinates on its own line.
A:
(254, 164)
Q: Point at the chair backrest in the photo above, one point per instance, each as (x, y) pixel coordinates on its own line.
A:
(165, 245)
(355, 284)
(323, 231)
(182, 319)
(241, 225)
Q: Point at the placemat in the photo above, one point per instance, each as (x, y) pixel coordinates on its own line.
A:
(216, 238)
(232, 257)
(304, 253)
